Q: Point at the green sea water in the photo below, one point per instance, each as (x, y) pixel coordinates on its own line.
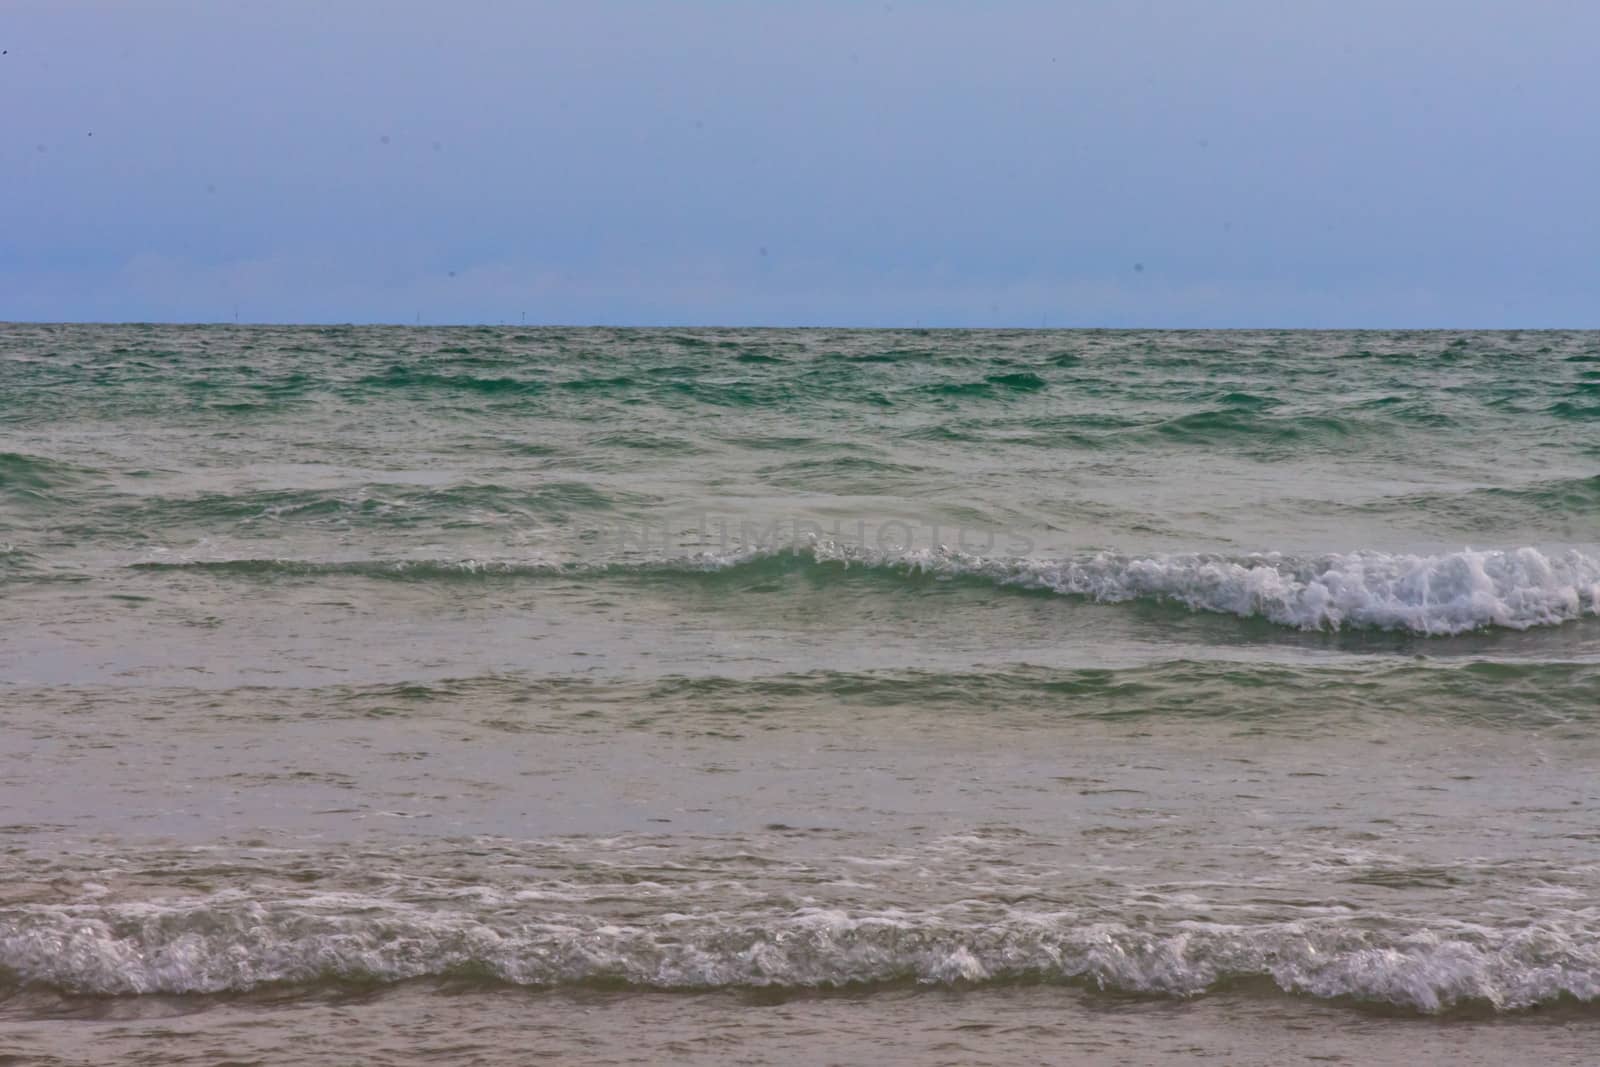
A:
(1253, 673)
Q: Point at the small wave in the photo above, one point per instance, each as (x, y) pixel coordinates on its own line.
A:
(723, 394)
(399, 377)
(1431, 595)
(1014, 382)
(842, 474)
(233, 942)
(1022, 381)
(403, 570)
(16, 563)
(31, 475)
(1437, 595)
(1233, 400)
(377, 505)
(1565, 504)
(618, 383)
(1241, 423)
(1483, 692)
(888, 355)
(655, 443)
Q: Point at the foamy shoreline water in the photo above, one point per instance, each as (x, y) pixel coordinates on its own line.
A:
(337, 667)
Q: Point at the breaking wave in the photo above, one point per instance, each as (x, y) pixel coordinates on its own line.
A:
(229, 944)
(1430, 595)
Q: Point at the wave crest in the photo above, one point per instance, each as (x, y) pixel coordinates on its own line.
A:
(1429, 595)
(226, 944)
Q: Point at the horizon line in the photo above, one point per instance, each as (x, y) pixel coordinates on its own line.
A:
(900, 327)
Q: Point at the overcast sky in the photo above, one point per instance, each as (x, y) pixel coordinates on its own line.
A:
(1121, 163)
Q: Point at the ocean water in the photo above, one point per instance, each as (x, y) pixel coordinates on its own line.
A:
(396, 695)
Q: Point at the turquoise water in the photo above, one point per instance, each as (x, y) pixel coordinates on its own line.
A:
(1036, 668)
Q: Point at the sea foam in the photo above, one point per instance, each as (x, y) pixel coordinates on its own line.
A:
(1430, 595)
(225, 944)
(1450, 593)
(1440, 594)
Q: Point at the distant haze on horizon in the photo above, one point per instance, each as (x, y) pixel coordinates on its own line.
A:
(888, 164)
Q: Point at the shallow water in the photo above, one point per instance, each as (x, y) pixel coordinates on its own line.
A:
(607, 695)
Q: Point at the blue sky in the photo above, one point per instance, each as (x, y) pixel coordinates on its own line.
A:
(1106, 163)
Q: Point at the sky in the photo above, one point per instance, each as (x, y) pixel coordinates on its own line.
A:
(1188, 163)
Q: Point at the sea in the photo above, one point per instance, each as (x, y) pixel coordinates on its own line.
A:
(397, 695)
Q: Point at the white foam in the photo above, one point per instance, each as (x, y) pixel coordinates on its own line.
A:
(227, 944)
(1450, 593)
